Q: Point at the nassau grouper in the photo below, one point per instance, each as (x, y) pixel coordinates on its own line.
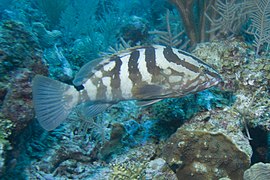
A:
(146, 74)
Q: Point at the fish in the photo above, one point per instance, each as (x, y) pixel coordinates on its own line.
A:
(147, 74)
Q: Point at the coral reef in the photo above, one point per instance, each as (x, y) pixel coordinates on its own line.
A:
(59, 67)
(248, 79)
(195, 24)
(259, 171)
(186, 151)
(133, 163)
(127, 141)
(130, 170)
(20, 60)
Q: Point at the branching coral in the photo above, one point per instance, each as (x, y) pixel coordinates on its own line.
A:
(129, 170)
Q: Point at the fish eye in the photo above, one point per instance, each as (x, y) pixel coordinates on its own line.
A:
(81, 87)
(76, 131)
(202, 69)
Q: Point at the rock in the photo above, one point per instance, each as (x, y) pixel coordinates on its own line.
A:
(59, 66)
(249, 79)
(204, 155)
(258, 171)
(206, 149)
(46, 38)
(135, 30)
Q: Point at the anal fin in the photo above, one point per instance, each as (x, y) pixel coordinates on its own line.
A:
(147, 102)
(92, 110)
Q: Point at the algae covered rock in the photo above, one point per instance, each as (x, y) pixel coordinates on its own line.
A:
(259, 171)
(196, 153)
(249, 79)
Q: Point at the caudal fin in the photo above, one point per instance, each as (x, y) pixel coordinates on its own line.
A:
(53, 101)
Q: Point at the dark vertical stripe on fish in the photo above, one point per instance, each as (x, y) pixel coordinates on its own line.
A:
(115, 74)
(134, 73)
(171, 57)
(84, 96)
(150, 58)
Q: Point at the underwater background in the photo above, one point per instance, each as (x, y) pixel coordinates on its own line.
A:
(219, 133)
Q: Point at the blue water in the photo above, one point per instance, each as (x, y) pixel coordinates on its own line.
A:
(55, 38)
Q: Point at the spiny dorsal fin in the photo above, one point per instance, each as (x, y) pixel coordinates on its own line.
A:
(86, 71)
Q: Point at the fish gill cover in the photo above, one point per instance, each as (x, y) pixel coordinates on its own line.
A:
(56, 38)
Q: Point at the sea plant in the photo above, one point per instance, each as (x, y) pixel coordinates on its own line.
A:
(52, 9)
(193, 17)
(172, 37)
(207, 19)
(260, 23)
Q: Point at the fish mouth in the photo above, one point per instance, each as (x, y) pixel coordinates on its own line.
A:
(213, 82)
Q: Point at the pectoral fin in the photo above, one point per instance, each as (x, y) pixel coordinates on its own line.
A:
(148, 91)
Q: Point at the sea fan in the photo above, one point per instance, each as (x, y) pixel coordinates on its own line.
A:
(172, 36)
(260, 23)
(226, 17)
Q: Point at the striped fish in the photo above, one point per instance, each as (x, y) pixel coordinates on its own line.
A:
(147, 74)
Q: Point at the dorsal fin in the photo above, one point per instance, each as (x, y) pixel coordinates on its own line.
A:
(86, 71)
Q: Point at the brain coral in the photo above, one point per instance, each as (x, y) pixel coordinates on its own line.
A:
(204, 155)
